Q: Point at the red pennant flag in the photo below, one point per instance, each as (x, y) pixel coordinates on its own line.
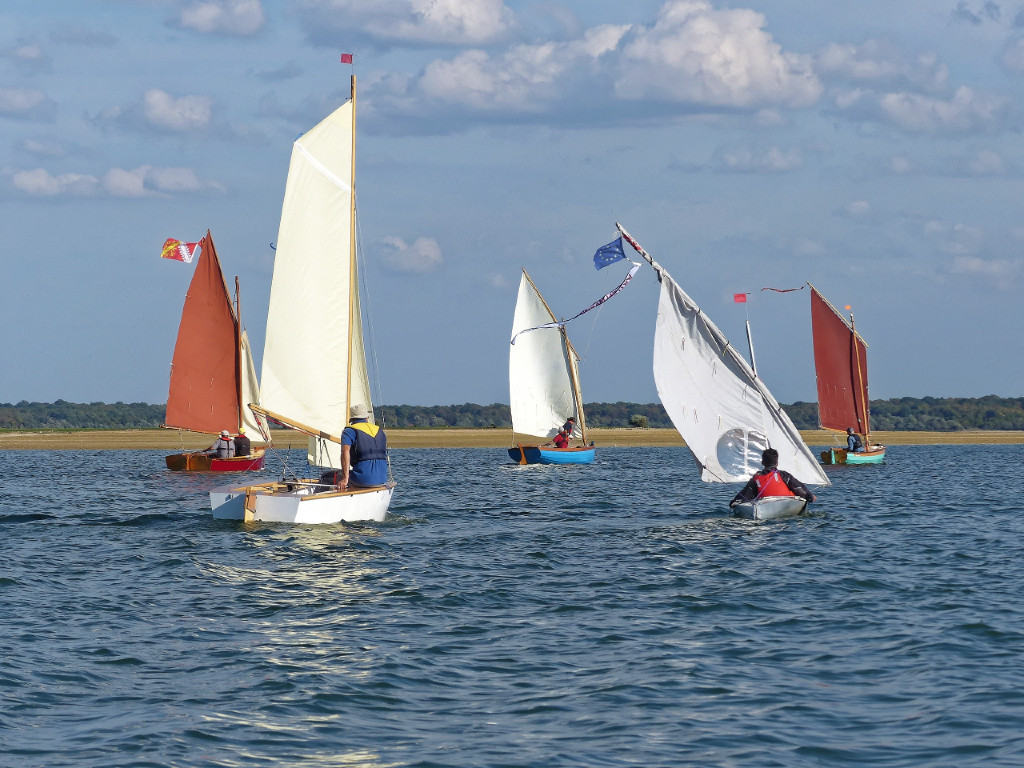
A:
(739, 298)
(346, 58)
(179, 251)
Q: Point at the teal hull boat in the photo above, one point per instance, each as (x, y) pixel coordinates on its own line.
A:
(874, 455)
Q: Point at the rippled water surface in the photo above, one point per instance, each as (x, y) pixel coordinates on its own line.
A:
(610, 615)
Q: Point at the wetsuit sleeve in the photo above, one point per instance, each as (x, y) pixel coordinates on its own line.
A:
(795, 486)
(749, 492)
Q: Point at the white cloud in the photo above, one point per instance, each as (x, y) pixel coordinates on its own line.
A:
(956, 240)
(771, 160)
(526, 78)
(434, 22)
(858, 208)
(986, 163)
(966, 111)
(693, 59)
(696, 54)
(144, 181)
(1013, 55)
(25, 103)
(147, 181)
(900, 165)
(227, 17)
(1002, 271)
(879, 63)
(424, 255)
(29, 58)
(186, 113)
(40, 183)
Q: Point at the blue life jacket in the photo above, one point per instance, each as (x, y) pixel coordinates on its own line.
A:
(370, 443)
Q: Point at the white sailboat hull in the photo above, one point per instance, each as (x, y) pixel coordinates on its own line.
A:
(770, 507)
(297, 503)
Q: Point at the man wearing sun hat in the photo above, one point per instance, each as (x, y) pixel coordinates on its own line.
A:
(242, 444)
(364, 457)
(224, 448)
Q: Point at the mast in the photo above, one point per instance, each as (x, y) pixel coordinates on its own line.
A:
(239, 359)
(352, 285)
(861, 389)
(750, 343)
(574, 376)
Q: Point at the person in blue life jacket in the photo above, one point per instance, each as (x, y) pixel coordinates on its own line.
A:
(853, 441)
(569, 427)
(364, 458)
(771, 481)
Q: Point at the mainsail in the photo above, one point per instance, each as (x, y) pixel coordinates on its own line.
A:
(543, 373)
(841, 365)
(314, 366)
(721, 408)
(212, 377)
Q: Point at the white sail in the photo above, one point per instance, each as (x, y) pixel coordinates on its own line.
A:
(314, 306)
(542, 367)
(723, 411)
(255, 426)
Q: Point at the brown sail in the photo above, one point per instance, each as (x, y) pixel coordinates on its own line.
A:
(205, 388)
(841, 364)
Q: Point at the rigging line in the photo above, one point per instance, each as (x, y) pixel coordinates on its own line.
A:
(369, 337)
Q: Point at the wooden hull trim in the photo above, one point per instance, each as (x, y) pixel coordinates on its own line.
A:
(201, 462)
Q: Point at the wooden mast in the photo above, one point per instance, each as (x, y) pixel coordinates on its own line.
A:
(574, 375)
(861, 390)
(239, 358)
(352, 277)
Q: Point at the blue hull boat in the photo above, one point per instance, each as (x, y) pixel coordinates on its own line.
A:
(533, 454)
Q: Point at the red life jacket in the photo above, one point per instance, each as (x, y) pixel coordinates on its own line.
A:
(771, 484)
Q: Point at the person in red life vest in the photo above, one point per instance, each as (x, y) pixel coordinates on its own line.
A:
(771, 481)
(559, 440)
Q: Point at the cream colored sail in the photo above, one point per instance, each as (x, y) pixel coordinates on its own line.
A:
(251, 394)
(542, 369)
(310, 341)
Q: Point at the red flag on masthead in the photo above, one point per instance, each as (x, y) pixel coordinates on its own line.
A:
(346, 58)
(739, 298)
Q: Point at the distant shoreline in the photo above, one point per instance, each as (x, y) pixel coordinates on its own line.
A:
(173, 441)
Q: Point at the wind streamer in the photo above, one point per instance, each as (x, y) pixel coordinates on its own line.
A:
(599, 302)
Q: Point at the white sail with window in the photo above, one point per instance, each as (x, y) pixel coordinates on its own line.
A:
(718, 404)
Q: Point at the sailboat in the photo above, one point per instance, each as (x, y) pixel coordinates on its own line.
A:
(544, 382)
(841, 365)
(719, 405)
(314, 364)
(212, 373)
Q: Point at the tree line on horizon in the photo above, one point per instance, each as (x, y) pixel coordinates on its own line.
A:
(927, 414)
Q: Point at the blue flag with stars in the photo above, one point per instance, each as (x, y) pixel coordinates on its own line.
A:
(609, 254)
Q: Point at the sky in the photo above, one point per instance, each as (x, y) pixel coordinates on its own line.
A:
(870, 148)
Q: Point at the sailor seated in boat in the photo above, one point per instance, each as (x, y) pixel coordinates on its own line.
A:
(364, 454)
(771, 481)
(559, 441)
(853, 441)
(242, 444)
(224, 448)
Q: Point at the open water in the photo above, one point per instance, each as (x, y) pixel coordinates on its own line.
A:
(610, 615)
